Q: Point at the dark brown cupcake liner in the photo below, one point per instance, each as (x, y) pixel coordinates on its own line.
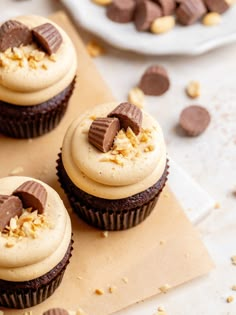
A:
(24, 122)
(113, 220)
(107, 219)
(20, 295)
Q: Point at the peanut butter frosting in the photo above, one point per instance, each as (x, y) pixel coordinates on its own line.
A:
(126, 169)
(29, 76)
(31, 257)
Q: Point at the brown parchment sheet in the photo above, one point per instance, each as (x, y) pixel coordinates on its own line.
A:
(165, 249)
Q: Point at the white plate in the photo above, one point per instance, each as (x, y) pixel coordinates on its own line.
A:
(191, 40)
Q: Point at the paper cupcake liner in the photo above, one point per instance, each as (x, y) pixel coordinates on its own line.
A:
(24, 122)
(27, 297)
(108, 219)
(113, 220)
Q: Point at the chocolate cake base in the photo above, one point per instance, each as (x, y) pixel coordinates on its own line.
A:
(34, 121)
(106, 214)
(26, 294)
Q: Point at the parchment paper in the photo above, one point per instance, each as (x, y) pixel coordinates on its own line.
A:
(164, 250)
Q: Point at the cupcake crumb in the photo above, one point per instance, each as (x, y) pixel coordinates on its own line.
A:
(165, 288)
(112, 289)
(125, 280)
(104, 234)
(79, 278)
(16, 171)
(99, 291)
(162, 242)
(234, 287)
(94, 49)
(230, 299)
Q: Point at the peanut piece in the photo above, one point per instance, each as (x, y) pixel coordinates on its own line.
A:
(102, 2)
(99, 292)
(94, 49)
(229, 299)
(193, 89)
(165, 288)
(136, 97)
(211, 19)
(163, 24)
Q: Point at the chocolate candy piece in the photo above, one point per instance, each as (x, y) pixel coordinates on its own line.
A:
(146, 12)
(48, 37)
(194, 120)
(102, 133)
(155, 81)
(10, 206)
(129, 115)
(33, 195)
(219, 6)
(121, 11)
(167, 6)
(189, 11)
(56, 311)
(13, 34)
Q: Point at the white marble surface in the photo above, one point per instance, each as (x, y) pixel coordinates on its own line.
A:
(210, 158)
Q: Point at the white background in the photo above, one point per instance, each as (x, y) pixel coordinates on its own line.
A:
(210, 158)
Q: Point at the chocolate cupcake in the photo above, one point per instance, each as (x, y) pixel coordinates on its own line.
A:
(37, 76)
(35, 241)
(113, 166)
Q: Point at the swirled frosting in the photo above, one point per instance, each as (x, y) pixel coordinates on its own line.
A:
(31, 258)
(27, 85)
(103, 174)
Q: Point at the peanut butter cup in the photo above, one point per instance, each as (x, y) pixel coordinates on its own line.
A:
(121, 11)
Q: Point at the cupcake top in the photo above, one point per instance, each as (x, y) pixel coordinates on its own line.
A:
(35, 228)
(117, 156)
(37, 60)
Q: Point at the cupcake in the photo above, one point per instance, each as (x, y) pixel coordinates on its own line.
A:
(35, 241)
(37, 76)
(113, 166)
